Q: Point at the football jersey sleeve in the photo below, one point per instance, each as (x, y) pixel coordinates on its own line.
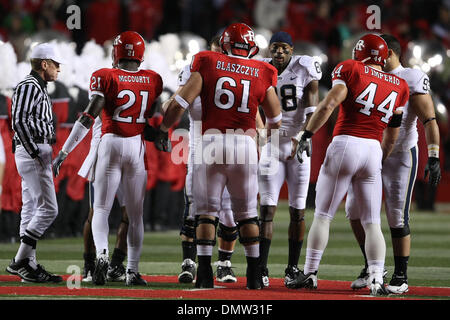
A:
(312, 66)
(197, 62)
(184, 75)
(342, 73)
(418, 82)
(100, 83)
(405, 96)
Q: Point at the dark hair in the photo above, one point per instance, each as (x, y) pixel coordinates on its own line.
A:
(393, 44)
(215, 41)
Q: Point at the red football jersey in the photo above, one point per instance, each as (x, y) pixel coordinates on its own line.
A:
(129, 96)
(372, 97)
(233, 88)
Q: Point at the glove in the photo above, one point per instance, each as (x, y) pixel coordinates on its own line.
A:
(162, 141)
(57, 162)
(304, 144)
(433, 167)
(261, 137)
(150, 133)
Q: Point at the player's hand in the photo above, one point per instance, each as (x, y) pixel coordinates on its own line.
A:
(57, 162)
(300, 144)
(261, 137)
(162, 141)
(434, 169)
(150, 132)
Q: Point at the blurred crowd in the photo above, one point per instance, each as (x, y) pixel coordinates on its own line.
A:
(174, 31)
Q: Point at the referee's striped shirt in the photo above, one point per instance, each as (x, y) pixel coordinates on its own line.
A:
(32, 112)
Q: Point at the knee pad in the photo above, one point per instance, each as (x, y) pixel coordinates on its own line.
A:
(227, 233)
(296, 216)
(266, 215)
(207, 242)
(188, 228)
(247, 240)
(400, 232)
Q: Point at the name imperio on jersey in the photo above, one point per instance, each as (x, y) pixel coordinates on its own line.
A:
(237, 68)
(383, 76)
(136, 79)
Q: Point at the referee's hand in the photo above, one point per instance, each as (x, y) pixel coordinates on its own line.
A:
(57, 162)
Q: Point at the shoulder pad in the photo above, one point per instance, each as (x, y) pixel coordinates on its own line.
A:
(311, 64)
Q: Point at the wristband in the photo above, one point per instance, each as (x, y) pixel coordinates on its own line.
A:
(307, 134)
(1, 189)
(183, 103)
(433, 150)
(274, 119)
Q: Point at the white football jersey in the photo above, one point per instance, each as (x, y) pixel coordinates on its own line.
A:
(418, 82)
(300, 71)
(195, 109)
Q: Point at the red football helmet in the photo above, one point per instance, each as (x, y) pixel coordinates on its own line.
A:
(128, 45)
(239, 39)
(371, 49)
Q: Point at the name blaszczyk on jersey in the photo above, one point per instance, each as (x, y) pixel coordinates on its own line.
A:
(237, 68)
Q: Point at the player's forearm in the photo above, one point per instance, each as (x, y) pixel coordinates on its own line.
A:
(389, 138)
(173, 114)
(326, 107)
(432, 133)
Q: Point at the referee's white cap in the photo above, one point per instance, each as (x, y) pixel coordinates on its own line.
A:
(47, 51)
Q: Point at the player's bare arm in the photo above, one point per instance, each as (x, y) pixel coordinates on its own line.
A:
(335, 96)
(310, 100)
(390, 134)
(79, 130)
(272, 110)
(182, 100)
(423, 107)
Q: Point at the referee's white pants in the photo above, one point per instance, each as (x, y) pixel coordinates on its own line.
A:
(39, 205)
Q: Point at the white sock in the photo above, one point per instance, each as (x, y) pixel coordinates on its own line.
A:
(252, 251)
(135, 238)
(317, 242)
(24, 251)
(375, 270)
(312, 262)
(204, 250)
(100, 231)
(375, 246)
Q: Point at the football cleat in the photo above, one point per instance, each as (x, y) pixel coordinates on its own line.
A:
(302, 280)
(23, 269)
(47, 276)
(378, 289)
(134, 279)
(363, 280)
(116, 273)
(265, 276)
(291, 272)
(101, 268)
(224, 272)
(398, 284)
(187, 274)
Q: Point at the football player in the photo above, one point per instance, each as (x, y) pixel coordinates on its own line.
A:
(370, 101)
(231, 87)
(400, 169)
(298, 92)
(124, 97)
(227, 230)
(116, 269)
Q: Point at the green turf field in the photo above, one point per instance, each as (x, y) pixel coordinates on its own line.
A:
(429, 264)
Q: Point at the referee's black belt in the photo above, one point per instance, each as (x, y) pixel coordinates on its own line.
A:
(37, 140)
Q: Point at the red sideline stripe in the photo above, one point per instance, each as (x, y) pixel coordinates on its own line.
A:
(328, 290)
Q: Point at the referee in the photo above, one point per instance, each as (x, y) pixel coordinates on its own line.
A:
(34, 134)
